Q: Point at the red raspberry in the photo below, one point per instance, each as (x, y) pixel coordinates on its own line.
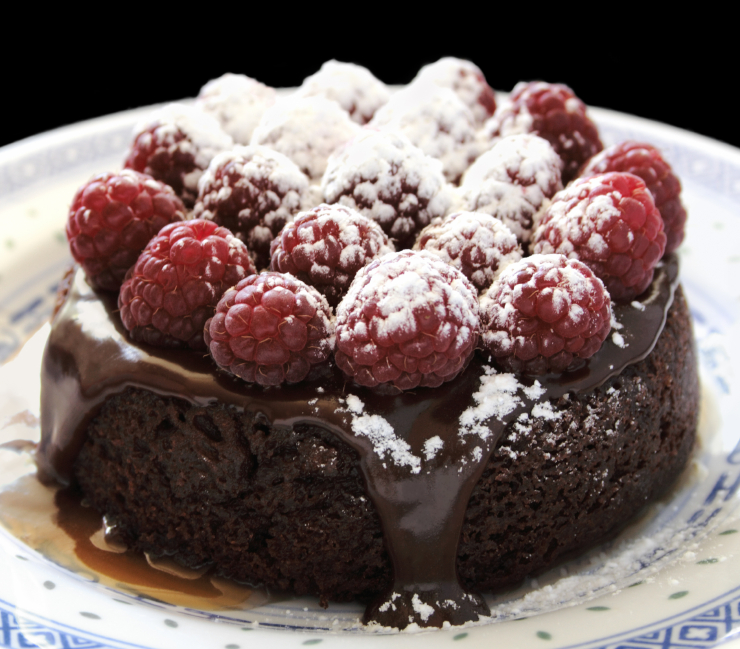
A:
(475, 243)
(175, 144)
(327, 246)
(408, 319)
(645, 161)
(270, 329)
(544, 313)
(611, 224)
(386, 178)
(178, 280)
(112, 218)
(552, 111)
(253, 191)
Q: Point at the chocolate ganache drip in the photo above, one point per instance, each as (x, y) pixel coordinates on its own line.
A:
(421, 452)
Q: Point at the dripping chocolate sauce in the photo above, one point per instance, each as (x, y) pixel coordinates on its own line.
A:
(89, 358)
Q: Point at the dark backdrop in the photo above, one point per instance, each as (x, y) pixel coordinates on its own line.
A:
(661, 74)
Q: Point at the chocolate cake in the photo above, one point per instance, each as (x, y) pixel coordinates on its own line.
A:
(423, 444)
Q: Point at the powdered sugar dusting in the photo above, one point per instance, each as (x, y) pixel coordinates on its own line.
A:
(545, 410)
(432, 446)
(424, 611)
(496, 397)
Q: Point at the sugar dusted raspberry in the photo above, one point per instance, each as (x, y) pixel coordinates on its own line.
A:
(353, 87)
(467, 81)
(435, 120)
(253, 191)
(270, 329)
(175, 144)
(111, 220)
(177, 281)
(514, 182)
(543, 314)
(552, 111)
(237, 102)
(386, 178)
(327, 246)
(611, 224)
(409, 320)
(645, 161)
(306, 130)
(475, 243)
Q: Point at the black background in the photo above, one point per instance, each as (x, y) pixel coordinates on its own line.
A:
(658, 71)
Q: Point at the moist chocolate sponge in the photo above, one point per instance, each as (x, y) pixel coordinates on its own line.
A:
(287, 507)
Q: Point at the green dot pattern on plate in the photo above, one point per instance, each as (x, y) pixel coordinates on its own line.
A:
(61, 237)
(544, 635)
(92, 616)
(49, 585)
(679, 594)
(122, 601)
(247, 628)
(598, 608)
(637, 583)
(460, 636)
(171, 623)
(726, 532)
(18, 556)
(9, 243)
(310, 642)
(706, 561)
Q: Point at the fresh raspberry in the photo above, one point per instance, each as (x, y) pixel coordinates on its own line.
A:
(437, 121)
(475, 243)
(270, 329)
(253, 191)
(552, 111)
(514, 182)
(466, 80)
(543, 314)
(353, 87)
(611, 224)
(237, 102)
(386, 178)
(307, 130)
(327, 246)
(408, 319)
(175, 144)
(645, 161)
(111, 220)
(177, 281)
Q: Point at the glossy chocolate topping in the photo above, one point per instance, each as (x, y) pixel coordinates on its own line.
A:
(420, 490)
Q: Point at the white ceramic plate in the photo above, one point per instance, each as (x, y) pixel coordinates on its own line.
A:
(671, 580)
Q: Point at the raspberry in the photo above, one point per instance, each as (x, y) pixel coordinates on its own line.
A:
(270, 329)
(327, 246)
(353, 87)
(175, 144)
(112, 218)
(177, 281)
(611, 224)
(253, 191)
(408, 319)
(467, 81)
(307, 130)
(237, 102)
(386, 178)
(543, 314)
(552, 111)
(476, 244)
(514, 182)
(645, 161)
(435, 120)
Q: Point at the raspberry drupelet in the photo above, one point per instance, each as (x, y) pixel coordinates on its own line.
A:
(112, 218)
(174, 144)
(271, 329)
(647, 162)
(552, 111)
(327, 246)
(514, 182)
(253, 191)
(386, 178)
(477, 244)
(611, 224)
(177, 281)
(543, 314)
(408, 320)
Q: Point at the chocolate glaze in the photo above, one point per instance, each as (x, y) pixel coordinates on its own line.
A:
(421, 504)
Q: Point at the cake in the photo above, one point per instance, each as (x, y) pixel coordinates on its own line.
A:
(414, 489)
